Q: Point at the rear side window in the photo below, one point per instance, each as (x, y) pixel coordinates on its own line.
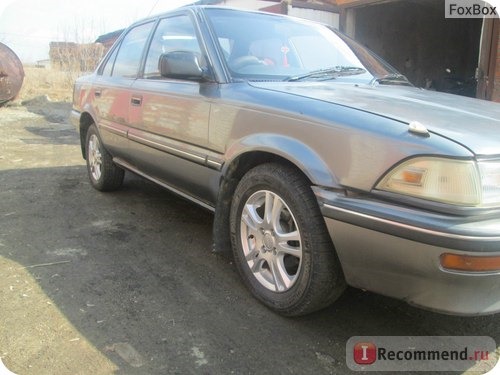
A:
(108, 68)
(172, 34)
(129, 56)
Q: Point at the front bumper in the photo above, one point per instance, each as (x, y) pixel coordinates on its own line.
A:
(395, 251)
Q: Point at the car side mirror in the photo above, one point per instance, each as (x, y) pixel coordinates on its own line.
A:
(182, 65)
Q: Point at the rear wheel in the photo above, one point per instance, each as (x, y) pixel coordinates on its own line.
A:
(104, 175)
(280, 242)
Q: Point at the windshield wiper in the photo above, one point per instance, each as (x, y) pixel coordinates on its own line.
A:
(328, 73)
(393, 78)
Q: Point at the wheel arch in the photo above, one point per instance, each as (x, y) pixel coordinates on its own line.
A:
(253, 152)
(275, 147)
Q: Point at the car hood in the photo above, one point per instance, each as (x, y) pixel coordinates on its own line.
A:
(471, 122)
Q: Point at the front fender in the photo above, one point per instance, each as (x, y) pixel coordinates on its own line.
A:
(296, 152)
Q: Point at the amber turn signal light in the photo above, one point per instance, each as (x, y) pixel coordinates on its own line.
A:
(470, 263)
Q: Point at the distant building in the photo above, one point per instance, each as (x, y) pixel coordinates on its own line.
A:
(74, 56)
(43, 63)
(108, 39)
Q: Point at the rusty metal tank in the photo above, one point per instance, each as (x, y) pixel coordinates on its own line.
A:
(11, 74)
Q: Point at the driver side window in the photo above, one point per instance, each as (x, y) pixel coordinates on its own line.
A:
(172, 34)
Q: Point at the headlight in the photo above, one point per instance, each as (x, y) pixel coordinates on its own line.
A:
(458, 182)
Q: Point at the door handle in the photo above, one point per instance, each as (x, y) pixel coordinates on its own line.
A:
(136, 100)
(97, 93)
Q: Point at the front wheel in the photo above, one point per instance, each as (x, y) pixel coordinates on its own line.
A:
(280, 242)
(103, 173)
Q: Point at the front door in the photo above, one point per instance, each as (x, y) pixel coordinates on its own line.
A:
(169, 117)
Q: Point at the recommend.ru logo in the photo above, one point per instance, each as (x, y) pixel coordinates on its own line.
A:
(421, 353)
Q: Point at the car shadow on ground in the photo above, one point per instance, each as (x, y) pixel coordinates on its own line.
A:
(134, 273)
(53, 112)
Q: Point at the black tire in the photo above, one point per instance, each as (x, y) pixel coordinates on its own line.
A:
(295, 268)
(104, 175)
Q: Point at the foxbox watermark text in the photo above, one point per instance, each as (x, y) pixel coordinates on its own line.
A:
(470, 9)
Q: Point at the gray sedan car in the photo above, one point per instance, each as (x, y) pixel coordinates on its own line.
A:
(323, 166)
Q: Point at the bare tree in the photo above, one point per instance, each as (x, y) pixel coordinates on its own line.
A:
(77, 53)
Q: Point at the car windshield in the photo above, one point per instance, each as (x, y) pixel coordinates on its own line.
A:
(259, 46)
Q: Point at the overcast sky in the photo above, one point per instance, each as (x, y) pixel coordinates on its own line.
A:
(28, 26)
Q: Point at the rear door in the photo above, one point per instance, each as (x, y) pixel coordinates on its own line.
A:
(111, 89)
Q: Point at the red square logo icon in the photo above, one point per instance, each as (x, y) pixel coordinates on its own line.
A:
(365, 353)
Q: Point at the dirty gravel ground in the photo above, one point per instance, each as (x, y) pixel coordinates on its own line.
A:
(126, 283)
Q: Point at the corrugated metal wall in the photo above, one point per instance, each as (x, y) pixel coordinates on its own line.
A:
(332, 19)
(246, 4)
(329, 18)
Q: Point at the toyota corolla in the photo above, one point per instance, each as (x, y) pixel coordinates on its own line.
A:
(323, 165)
